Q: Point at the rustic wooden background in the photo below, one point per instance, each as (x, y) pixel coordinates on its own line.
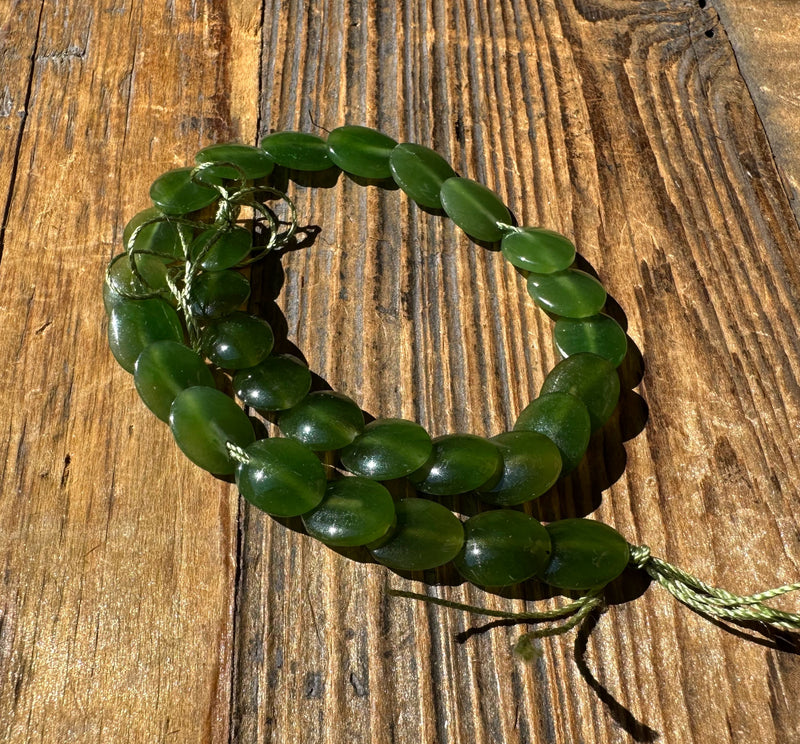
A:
(142, 602)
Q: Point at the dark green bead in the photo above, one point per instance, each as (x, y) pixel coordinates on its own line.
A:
(175, 192)
(203, 420)
(537, 249)
(282, 477)
(355, 511)
(165, 368)
(276, 384)
(477, 210)
(246, 162)
(135, 324)
(562, 418)
(160, 236)
(237, 341)
(531, 465)
(591, 379)
(217, 293)
(502, 548)
(388, 448)
(297, 150)
(598, 334)
(426, 535)
(323, 420)
(361, 151)
(585, 554)
(222, 249)
(122, 284)
(571, 293)
(459, 463)
(420, 172)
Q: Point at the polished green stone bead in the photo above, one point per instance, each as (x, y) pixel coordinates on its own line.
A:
(354, 511)
(476, 209)
(562, 418)
(537, 249)
(161, 236)
(571, 293)
(585, 554)
(237, 341)
(420, 173)
(175, 192)
(203, 420)
(282, 477)
(122, 284)
(236, 161)
(502, 547)
(531, 465)
(217, 293)
(323, 420)
(297, 150)
(222, 249)
(597, 334)
(135, 324)
(426, 535)
(591, 379)
(165, 368)
(361, 151)
(459, 463)
(278, 383)
(388, 448)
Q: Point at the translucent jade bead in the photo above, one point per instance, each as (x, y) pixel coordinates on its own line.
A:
(585, 554)
(159, 237)
(562, 418)
(459, 463)
(354, 511)
(502, 547)
(282, 478)
(245, 161)
(598, 334)
(135, 324)
(222, 249)
(361, 151)
(537, 249)
(237, 341)
(571, 293)
(203, 420)
(175, 192)
(297, 150)
(531, 465)
(163, 370)
(420, 173)
(217, 293)
(591, 379)
(388, 448)
(477, 210)
(122, 284)
(426, 535)
(278, 383)
(323, 420)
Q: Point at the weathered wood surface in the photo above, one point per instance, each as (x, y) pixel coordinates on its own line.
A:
(141, 602)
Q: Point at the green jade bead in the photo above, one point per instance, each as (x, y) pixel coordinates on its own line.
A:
(426, 535)
(585, 554)
(361, 151)
(597, 334)
(163, 370)
(420, 173)
(354, 511)
(537, 249)
(217, 293)
(298, 151)
(160, 237)
(476, 209)
(388, 448)
(237, 341)
(502, 547)
(276, 384)
(235, 161)
(203, 420)
(135, 324)
(323, 420)
(571, 293)
(122, 284)
(222, 249)
(176, 193)
(282, 478)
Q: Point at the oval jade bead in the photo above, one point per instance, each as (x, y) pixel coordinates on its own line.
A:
(591, 379)
(537, 249)
(202, 421)
(278, 383)
(585, 554)
(221, 249)
(297, 150)
(122, 284)
(135, 324)
(502, 547)
(598, 334)
(174, 192)
(361, 151)
(531, 465)
(282, 477)
(426, 535)
(571, 293)
(159, 236)
(165, 368)
(388, 448)
(237, 341)
(476, 209)
(354, 511)
(323, 420)
(217, 293)
(236, 161)
(420, 173)
(459, 463)
(562, 418)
